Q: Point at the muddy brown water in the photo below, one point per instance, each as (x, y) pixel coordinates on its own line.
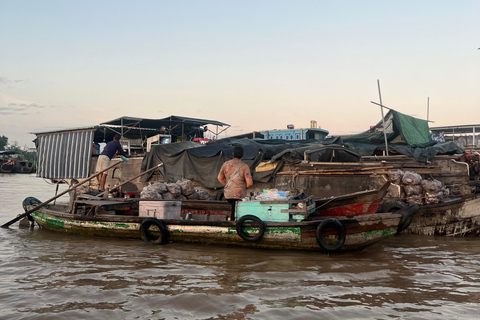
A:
(46, 275)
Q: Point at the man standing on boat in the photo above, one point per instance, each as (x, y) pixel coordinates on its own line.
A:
(236, 178)
(104, 159)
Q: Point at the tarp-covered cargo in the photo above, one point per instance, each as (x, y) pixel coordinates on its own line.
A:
(405, 135)
(264, 157)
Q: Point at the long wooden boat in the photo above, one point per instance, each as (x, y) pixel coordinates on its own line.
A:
(451, 217)
(119, 218)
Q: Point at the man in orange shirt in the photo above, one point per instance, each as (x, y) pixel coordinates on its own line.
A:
(236, 178)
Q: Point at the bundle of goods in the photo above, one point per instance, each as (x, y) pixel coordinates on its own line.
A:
(434, 191)
(181, 190)
(412, 185)
(418, 190)
(271, 194)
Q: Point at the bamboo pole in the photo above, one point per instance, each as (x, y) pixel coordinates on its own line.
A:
(383, 119)
(20, 216)
(141, 174)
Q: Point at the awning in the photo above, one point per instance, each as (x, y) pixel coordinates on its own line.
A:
(64, 155)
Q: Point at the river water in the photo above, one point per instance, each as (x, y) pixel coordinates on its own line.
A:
(45, 275)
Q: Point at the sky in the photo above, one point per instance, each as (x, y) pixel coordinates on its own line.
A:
(256, 65)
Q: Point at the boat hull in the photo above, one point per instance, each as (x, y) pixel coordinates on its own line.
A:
(360, 231)
(459, 217)
(358, 203)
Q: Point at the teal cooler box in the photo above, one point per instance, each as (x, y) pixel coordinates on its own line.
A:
(276, 210)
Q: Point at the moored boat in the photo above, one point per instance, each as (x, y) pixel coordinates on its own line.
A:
(451, 217)
(119, 218)
(362, 202)
(11, 162)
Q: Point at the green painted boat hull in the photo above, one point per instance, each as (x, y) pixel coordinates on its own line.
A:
(361, 231)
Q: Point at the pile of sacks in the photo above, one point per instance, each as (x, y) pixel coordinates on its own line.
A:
(417, 190)
(181, 190)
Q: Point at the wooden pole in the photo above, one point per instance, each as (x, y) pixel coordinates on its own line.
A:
(383, 119)
(428, 107)
(141, 174)
(20, 216)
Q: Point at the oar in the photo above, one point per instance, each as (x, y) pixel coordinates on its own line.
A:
(141, 174)
(6, 225)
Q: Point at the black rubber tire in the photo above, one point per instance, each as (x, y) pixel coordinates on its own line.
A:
(392, 206)
(256, 221)
(407, 216)
(331, 223)
(147, 236)
(405, 224)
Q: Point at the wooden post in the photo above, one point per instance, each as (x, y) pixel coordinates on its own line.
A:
(383, 119)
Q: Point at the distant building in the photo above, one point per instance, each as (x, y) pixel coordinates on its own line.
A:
(293, 134)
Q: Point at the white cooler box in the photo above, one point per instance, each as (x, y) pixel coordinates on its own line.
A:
(160, 209)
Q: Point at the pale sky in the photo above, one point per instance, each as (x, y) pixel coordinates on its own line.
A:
(256, 65)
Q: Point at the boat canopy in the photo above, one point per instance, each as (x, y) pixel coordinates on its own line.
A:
(180, 128)
(66, 153)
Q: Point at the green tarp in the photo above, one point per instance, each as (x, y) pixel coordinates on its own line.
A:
(414, 131)
(399, 128)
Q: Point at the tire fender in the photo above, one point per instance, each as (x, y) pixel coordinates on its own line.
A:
(392, 206)
(150, 237)
(256, 221)
(407, 215)
(331, 223)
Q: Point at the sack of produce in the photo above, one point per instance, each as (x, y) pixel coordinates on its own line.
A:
(186, 186)
(168, 196)
(396, 177)
(147, 194)
(415, 198)
(411, 189)
(203, 195)
(433, 197)
(158, 187)
(411, 178)
(432, 185)
(174, 189)
(193, 196)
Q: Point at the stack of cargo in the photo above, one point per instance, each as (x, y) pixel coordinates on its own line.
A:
(415, 189)
(181, 190)
(412, 185)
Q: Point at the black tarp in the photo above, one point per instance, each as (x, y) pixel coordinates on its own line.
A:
(203, 162)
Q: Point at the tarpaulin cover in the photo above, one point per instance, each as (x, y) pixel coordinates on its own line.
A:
(202, 163)
(399, 127)
(405, 135)
(427, 153)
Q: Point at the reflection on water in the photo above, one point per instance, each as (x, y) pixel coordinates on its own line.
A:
(53, 276)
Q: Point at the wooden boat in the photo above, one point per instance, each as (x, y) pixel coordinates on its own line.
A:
(10, 162)
(451, 217)
(125, 218)
(362, 202)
